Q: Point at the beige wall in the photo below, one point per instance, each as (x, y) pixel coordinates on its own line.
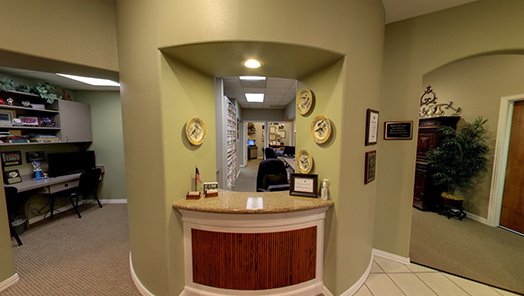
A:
(75, 31)
(476, 85)
(108, 142)
(149, 86)
(414, 48)
(55, 35)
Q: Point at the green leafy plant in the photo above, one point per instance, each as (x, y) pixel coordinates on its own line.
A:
(460, 157)
(47, 91)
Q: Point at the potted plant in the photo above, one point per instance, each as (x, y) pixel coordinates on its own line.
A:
(459, 158)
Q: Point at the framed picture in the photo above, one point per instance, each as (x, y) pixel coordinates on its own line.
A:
(371, 127)
(10, 158)
(303, 185)
(29, 120)
(370, 165)
(6, 117)
(272, 129)
(398, 130)
(282, 134)
(12, 177)
(272, 137)
(34, 155)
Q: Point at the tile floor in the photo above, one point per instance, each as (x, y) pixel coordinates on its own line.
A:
(390, 278)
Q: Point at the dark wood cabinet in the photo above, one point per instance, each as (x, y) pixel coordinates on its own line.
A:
(426, 195)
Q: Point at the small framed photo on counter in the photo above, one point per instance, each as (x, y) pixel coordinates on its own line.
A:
(303, 185)
(12, 177)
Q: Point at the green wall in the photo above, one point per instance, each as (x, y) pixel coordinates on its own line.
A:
(164, 94)
(108, 139)
(471, 85)
(414, 48)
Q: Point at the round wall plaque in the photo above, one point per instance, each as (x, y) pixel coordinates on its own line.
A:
(305, 100)
(195, 131)
(304, 161)
(321, 129)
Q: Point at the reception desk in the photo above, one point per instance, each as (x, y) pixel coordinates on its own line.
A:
(263, 243)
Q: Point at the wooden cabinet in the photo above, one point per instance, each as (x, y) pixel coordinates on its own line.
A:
(252, 152)
(426, 195)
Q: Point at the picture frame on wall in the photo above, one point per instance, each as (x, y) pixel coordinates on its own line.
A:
(371, 127)
(398, 130)
(10, 158)
(303, 185)
(370, 166)
(282, 134)
(34, 155)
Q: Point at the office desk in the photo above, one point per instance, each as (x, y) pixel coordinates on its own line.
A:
(49, 185)
(289, 161)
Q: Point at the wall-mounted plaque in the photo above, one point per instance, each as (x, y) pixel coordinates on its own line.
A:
(195, 131)
(398, 130)
(371, 127)
(305, 101)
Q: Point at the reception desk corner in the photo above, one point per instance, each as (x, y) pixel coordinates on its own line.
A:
(263, 243)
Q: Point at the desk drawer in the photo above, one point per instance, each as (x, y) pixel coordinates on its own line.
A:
(61, 186)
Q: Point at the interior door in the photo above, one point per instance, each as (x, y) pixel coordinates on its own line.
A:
(512, 215)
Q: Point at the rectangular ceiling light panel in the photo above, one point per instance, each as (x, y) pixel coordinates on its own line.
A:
(255, 97)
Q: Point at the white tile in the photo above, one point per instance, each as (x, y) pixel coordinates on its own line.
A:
(375, 268)
(411, 285)
(391, 266)
(472, 287)
(380, 284)
(419, 268)
(363, 291)
(439, 283)
(504, 293)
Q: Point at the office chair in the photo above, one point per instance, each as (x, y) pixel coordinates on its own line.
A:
(11, 194)
(87, 185)
(270, 153)
(272, 176)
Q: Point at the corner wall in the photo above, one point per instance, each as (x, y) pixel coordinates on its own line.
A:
(414, 48)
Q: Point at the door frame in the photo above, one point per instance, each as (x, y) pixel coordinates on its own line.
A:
(501, 158)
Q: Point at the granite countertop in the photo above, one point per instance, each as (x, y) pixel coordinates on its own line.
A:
(230, 202)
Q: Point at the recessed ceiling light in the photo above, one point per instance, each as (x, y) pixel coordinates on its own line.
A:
(252, 64)
(255, 97)
(252, 77)
(91, 80)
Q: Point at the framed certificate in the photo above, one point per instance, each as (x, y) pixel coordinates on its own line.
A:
(371, 127)
(303, 185)
(370, 166)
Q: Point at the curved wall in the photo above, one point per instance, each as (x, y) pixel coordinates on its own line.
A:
(412, 49)
(164, 93)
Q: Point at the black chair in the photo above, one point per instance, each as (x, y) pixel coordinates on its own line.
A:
(270, 153)
(272, 176)
(11, 194)
(87, 186)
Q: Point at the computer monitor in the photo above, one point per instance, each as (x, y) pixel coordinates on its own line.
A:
(251, 142)
(65, 163)
(289, 150)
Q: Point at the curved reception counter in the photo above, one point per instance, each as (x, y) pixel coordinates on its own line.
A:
(263, 243)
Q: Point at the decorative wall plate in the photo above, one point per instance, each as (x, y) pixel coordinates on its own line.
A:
(304, 161)
(195, 131)
(321, 129)
(305, 100)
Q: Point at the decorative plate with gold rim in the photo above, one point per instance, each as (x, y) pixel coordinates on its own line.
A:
(304, 161)
(305, 100)
(195, 131)
(321, 129)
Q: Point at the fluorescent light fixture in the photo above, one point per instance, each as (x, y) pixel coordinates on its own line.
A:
(91, 80)
(254, 97)
(252, 64)
(252, 77)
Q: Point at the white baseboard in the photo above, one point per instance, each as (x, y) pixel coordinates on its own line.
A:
(391, 256)
(138, 284)
(356, 286)
(114, 201)
(9, 282)
(476, 218)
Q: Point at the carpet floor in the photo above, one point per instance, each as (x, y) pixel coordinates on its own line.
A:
(72, 256)
(468, 249)
(247, 179)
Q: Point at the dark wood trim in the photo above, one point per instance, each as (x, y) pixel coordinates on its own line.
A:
(254, 261)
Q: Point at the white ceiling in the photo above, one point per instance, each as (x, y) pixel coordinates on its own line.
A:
(278, 92)
(397, 10)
